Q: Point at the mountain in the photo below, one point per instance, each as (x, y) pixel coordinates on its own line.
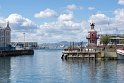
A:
(60, 45)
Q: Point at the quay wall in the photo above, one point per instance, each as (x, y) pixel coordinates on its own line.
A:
(110, 54)
(16, 52)
(97, 54)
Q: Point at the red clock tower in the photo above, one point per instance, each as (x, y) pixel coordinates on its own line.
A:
(92, 35)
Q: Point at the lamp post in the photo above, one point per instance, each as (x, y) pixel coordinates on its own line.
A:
(4, 39)
(24, 39)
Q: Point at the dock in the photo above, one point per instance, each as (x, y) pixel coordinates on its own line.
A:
(85, 53)
(16, 52)
(89, 53)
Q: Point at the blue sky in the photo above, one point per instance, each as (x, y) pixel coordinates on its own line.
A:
(28, 8)
(52, 20)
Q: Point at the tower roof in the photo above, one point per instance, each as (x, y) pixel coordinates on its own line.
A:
(92, 24)
(92, 27)
(7, 26)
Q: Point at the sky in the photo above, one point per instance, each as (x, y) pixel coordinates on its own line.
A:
(47, 21)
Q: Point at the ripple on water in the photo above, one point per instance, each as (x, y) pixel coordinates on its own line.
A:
(46, 66)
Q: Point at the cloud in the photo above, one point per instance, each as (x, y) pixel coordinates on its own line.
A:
(99, 19)
(71, 7)
(65, 28)
(119, 14)
(59, 31)
(74, 7)
(109, 25)
(19, 25)
(3, 22)
(45, 13)
(65, 17)
(121, 2)
(103, 23)
(91, 8)
(19, 22)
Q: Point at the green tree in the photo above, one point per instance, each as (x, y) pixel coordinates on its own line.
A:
(121, 41)
(105, 39)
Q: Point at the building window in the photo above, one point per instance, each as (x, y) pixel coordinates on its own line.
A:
(92, 35)
(92, 41)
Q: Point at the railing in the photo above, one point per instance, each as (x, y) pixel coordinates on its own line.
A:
(83, 50)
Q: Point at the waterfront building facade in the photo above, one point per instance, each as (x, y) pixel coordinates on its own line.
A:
(5, 36)
(92, 35)
(115, 39)
(31, 45)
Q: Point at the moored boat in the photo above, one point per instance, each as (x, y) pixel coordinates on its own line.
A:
(120, 53)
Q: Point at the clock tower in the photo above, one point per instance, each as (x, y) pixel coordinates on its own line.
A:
(92, 35)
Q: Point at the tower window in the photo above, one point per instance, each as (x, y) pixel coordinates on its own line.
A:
(92, 41)
(92, 35)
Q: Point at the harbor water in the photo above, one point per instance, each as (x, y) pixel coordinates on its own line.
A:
(46, 66)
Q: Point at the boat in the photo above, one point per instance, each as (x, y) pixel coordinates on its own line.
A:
(120, 53)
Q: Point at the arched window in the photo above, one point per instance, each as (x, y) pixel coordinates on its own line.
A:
(92, 35)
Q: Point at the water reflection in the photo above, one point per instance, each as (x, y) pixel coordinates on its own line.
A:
(5, 69)
(120, 71)
(94, 71)
(22, 69)
(47, 67)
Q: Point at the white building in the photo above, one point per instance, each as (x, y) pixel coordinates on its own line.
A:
(31, 45)
(115, 39)
(5, 36)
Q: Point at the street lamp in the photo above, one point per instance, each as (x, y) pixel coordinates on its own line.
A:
(24, 39)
